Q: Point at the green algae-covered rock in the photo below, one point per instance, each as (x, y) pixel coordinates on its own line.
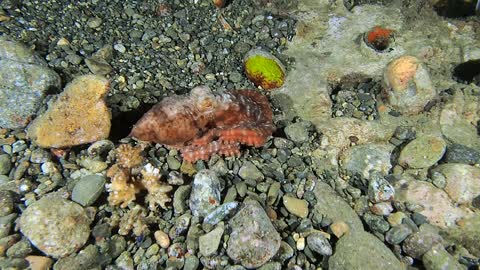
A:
(264, 69)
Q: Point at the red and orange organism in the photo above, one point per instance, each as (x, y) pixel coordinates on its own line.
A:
(204, 123)
(379, 38)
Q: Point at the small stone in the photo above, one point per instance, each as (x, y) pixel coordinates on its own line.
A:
(297, 132)
(319, 243)
(39, 262)
(253, 239)
(56, 226)
(264, 69)
(7, 202)
(379, 189)
(40, 156)
(162, 239)
(191, 263)
(376, 223)
(422, 152)
(366, 158)
(20, 249)
(382, 208)
(205, 195)
(397, 234)
(300, 243)
(173, 163)
(180, 198)
(5, 164)
(462, 181)
(120, 48)
(296, 206)
(339, 228)
(94, 22)
(220, 213)
(98, 66)
(63, 42)
(249, 171)
(19, 146)
(88, 189)
(209, 242)
(93, 165)
(396, 218)
(409, 87)
(457, 153)
(438, 258)
(422, 241)
(78, 116)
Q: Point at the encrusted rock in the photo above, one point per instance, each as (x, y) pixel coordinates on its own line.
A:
(26, 79)
(205, 195)
(56, 226)
(79, 115)
(462, 181)
(253, 240)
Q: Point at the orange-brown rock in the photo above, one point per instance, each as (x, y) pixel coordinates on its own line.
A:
(79, 115)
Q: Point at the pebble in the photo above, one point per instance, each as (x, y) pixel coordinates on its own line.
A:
(119, 48)
(208, 243)
(94, 22)
(362, 250)
(19, 146)
(382, 208)
(7, 202)
(376, 223)
(191, 263)
(220, 213)
(461, 181)
(100, 147)
(339, 228)
(397, 234)
(379, 189)
(422, 152)
(422, 241)
(39, 262)
(80, 108)
(319, 243)
(162, 239)
(180, 199)
(249, 171)
(5, 164)
(26, 81)
(408, 83)
(364, 159)
(457, 153)
(55, 226)
(88, 189)
(298, 132)
(39, 156)
(264, 69)
(296, 206)
(253, 239)
(396, 218)
(205, 195)
(438, 258)
(20, 249)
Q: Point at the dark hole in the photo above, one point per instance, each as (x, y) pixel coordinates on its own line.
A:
(455, 8)
(468, 72)
(122, 122)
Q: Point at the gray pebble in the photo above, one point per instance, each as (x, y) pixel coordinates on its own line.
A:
(422, 241)
(88, 189)
(40, 156)
(220, 213)
(94, 22)
(19, 146)
(180, 199)
(5, 164)
(249, 171)
(397, 234)
(119, 48)
(457, 153)
(7, 202)
(209, 242)
(319, 243)
(297, 132)
(205, 195)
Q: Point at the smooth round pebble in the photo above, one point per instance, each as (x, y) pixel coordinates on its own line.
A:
(88, 189)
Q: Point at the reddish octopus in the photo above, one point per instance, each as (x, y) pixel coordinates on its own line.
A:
(204, 123)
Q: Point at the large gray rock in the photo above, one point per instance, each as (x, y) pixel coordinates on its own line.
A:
(253, 240)
(24, 81)
(361, 250)
(205, 195)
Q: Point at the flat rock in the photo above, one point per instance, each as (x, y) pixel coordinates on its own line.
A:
(422, 152)
(361, 250)
(56, 226)
(361, 159)
(462, 181)
(466, 233)
(253, 240)
(79, 115)
(205, 195)
(25, 81)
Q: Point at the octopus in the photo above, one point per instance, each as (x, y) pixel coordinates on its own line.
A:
(203, 123)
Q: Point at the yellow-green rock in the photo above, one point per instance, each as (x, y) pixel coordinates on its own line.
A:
(264, 69)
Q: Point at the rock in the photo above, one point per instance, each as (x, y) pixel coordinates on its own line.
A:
(457, 153)
(7, 202)
(433, 202)
(209, 242)
(296, 206)
(462, 181)
(339, 228)
(78, 116)
(379, 189)
(205, 195)
(249, 171)
(40, 156)
(88, 189)
(422, 241)
(180, 198)
(408, 85)
(39, 262)
(20, 249)
(220, 213)
(382, 208)
(330, 205)
(466, 233)
(319, 243)
(5, 164)
(253, 240)
(376, 223)
(162, 239)
(298, 132)
(361, 159)
(361, 250)
(26, 79)
(264, 69)
(55, 226)
(397, 234)
(438, 258)
(422, 152)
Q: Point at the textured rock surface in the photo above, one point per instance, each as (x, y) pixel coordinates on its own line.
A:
(462, 181)
(253, 240)
(79, 115)
(56, 226)
(25, 79)
(205, 195)
(352, 249)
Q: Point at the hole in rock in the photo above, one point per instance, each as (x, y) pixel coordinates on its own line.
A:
(455, 8)
(468, 72)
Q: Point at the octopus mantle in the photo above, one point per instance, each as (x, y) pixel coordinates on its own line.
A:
(203, 123)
